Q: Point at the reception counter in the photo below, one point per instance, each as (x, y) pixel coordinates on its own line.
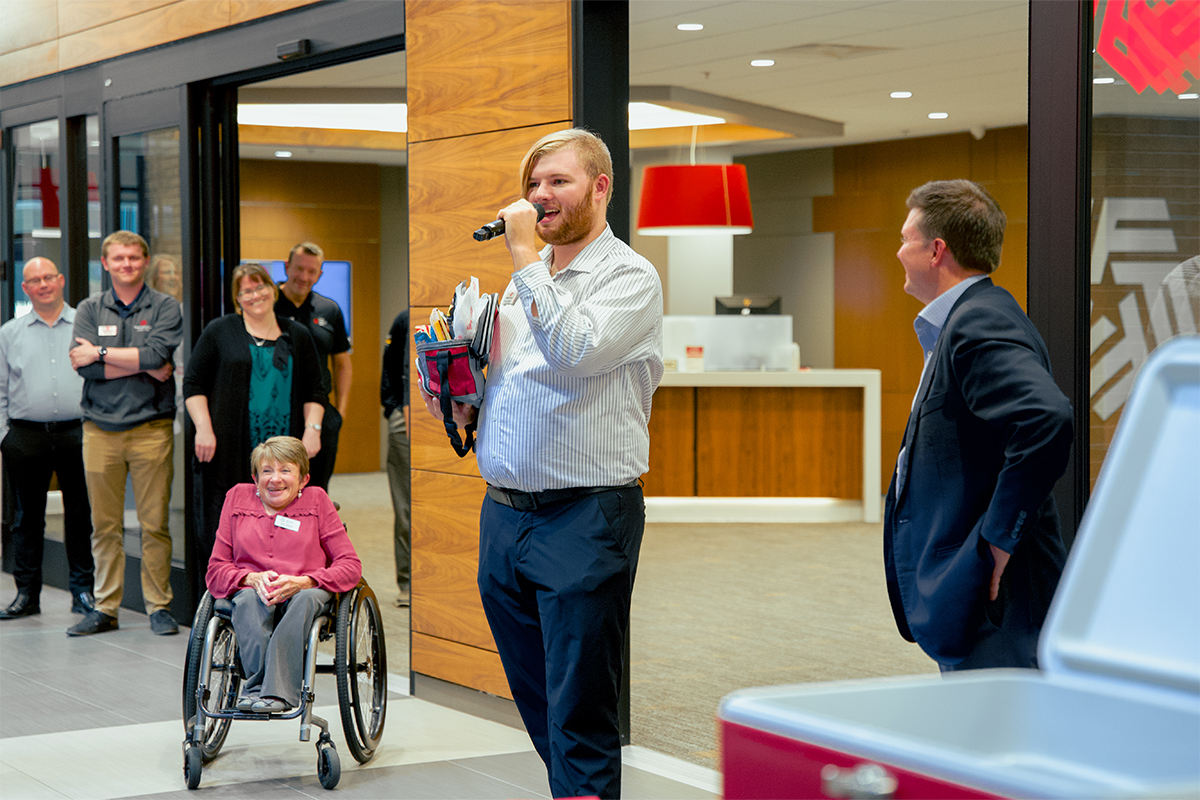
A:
(765, 447)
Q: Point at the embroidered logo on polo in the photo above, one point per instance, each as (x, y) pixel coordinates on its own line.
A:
(324, 323)
(142, 326)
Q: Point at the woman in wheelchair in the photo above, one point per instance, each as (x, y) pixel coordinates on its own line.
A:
(281, 554)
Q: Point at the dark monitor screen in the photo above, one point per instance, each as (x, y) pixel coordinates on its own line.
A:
(334, 283)
(748, 304)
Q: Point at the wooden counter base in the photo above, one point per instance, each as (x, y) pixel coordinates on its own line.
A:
(811, 437)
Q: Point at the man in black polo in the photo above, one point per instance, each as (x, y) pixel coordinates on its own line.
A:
(324, 321)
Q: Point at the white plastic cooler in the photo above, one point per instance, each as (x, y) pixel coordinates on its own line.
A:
(1115, 710)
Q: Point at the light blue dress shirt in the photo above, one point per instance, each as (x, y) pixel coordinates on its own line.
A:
(37, 382)
(928, 326)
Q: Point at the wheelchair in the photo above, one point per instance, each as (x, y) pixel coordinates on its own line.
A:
(214, 673)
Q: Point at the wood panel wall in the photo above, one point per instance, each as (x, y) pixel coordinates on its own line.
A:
(42, 37)
(714, 441)
(873, 316)
(337, 206)
(486, 78)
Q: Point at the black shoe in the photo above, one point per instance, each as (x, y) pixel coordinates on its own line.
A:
(95, 622)
(162, 623)
(23, 606)
(83, 603)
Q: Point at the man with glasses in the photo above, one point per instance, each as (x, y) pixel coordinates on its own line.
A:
(323, 318)
(125, 338)
(40, 434)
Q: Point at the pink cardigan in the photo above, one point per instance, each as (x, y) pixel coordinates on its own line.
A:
(249, 540)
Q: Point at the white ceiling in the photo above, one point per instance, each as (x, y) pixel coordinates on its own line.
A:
(834, 59)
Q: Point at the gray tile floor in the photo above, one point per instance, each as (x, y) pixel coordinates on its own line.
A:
(99, 717)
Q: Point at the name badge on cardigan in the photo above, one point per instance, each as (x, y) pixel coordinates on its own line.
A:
(107, 330)
(283, 522)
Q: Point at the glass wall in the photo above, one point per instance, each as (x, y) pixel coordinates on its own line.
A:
(149, 203)
(1145, 272)
(36, 229)
(94, 215)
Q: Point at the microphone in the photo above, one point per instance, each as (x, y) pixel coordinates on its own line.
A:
(494, 229)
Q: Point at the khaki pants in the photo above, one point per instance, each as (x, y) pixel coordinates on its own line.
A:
(145, 454)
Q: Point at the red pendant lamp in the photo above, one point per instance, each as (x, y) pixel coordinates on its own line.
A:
(695, 199)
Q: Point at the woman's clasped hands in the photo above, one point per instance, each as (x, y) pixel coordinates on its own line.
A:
(273, 588)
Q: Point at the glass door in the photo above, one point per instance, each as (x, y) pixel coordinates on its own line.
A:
(144, 192)
(36, 227)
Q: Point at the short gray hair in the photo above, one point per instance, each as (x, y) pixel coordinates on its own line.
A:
(281, 450)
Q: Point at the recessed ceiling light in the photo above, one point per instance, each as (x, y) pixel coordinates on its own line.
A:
(644, 116)
(689, 26)
(387, 117)
(901, 95)
(1104, 80)
(283, 153)
(938, 115)
(1189, 96)
(762, 62)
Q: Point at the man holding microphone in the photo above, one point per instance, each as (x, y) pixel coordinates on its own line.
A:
(562, 443)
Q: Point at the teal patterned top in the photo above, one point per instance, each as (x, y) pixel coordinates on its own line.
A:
(270, 395)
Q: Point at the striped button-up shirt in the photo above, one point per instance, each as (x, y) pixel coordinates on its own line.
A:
(568, 399)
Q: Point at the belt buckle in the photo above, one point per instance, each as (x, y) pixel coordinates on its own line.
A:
(523, 501)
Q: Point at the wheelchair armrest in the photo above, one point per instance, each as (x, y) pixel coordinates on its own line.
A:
(223, 607)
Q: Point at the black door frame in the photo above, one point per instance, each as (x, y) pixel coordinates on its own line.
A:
(1060, 153)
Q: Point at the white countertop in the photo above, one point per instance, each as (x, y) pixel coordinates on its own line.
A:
(805, 377)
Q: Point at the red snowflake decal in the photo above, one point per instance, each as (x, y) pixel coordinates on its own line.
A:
(1151, 43)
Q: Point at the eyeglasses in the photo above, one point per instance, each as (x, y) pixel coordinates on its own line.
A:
(904, 241)
(45, 279)
(260, 289)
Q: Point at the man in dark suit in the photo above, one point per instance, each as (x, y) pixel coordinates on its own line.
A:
(972, 545)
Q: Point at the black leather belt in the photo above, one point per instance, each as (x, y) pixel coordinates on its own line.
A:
(48, 427)
(532, 501)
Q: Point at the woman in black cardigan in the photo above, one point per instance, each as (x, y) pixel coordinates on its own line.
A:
(250, 376)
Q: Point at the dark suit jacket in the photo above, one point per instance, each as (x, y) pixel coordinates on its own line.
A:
(989, 436)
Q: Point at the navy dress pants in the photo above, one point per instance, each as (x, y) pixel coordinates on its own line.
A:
(556, 585)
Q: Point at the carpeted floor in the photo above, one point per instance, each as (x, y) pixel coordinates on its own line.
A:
(366, 508)
(715, 608)
(724, 607)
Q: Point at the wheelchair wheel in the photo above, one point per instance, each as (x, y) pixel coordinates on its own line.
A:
(329, 766)
(224, 679)
(192, 766)
(361, 665)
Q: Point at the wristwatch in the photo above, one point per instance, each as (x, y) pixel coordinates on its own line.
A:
(102, 353)
(314, 426)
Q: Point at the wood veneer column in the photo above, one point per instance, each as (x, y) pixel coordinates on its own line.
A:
(485, 80)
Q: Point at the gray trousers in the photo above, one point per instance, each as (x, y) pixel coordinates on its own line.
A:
(398, 463)
(272, 640)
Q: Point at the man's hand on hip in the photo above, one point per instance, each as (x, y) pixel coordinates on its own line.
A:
(1001, 558)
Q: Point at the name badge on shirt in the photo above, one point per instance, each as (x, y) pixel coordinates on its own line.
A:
(509, 298)
(283, 522)
(107, 330)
